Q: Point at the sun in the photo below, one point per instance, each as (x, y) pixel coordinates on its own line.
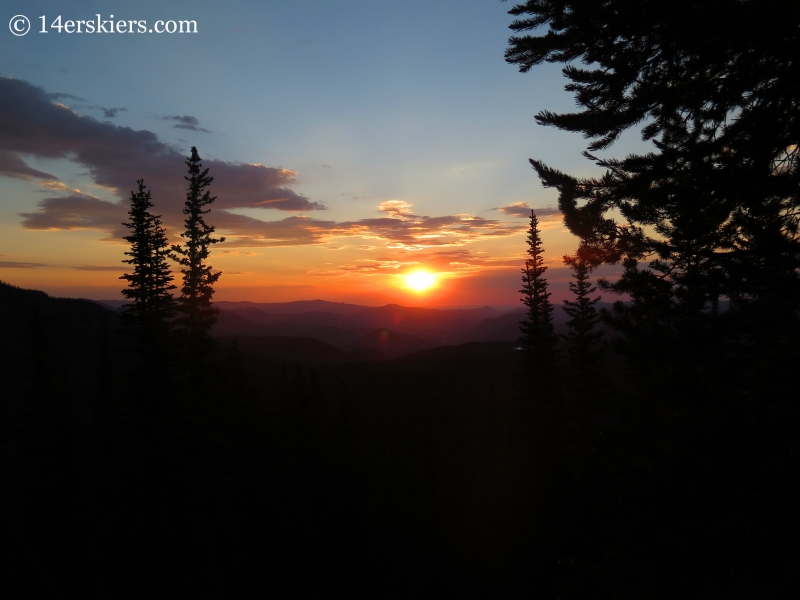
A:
(420, 280)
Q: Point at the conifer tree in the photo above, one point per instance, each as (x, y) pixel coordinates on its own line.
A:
(586, 381)
(709, 214)
(151, 305)
(149, 316)
(582, 337)
(538, 338)
(712, 211)
(197, 314)
(542, 413)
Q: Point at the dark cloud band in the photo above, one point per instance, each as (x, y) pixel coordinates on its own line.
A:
(115, 157)
(32, 124)
(523, 210)
(185, 122)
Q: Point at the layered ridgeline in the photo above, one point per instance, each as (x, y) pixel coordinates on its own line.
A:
(412, 474)
(366, 333)
(356, 469)
(48, 342)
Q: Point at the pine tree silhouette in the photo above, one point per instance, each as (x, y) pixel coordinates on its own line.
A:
(538, 338)
(152, 306)
(583, 349)
(542, 410)
(711, 212)
(149, 316)
(709, 215)
(197, 314)
(587, 383)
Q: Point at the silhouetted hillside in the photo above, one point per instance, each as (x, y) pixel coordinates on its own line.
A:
(295, 350)
(299, 306)
(253, 322)
(391, 344)
(506, 326)
(483, 352)
(295, 322)
(440, 326)
(63, 338)
(437, 326)
(392, 477)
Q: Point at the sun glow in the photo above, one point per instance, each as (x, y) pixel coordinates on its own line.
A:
(420, 280)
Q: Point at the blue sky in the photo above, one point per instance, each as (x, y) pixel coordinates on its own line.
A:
(365, 103)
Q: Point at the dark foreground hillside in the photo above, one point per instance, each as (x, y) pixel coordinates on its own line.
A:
(408, 478)
(377, 478)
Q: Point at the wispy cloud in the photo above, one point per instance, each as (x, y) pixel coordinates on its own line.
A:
(523, 210)
(31, 124)
(12, 165)
(401, 230)
(119, 268)
(452, 263)
(63, 96)
(185, 122)
(77, 211)
(57, 186)
(12, 264)
(397, 209)
(110, 113)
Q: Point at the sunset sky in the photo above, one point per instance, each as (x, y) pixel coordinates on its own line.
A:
(351, 143)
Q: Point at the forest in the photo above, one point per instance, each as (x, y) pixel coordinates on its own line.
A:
(172, 445)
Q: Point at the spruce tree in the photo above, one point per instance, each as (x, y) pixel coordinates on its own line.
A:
(711, 213)
(583, 349)
(197, 313)
(149, 317)
(152, 306)
(586, 380)
(546, 447)
(538, 339)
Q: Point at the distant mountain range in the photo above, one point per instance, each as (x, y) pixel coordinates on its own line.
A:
(350, 332)
(390, 331)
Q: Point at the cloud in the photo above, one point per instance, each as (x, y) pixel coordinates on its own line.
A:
(409, 231)
(63, 96)
(11, 264)
(185, 122)
(110, 113)
(31, 124)
(78, 211)
(452, 263)
(120, 268)
(12, 165)
(397, 209)
(57, 186)
(523, 210)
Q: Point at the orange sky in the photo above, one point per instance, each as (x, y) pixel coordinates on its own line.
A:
(346, 151)
(471, 269)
